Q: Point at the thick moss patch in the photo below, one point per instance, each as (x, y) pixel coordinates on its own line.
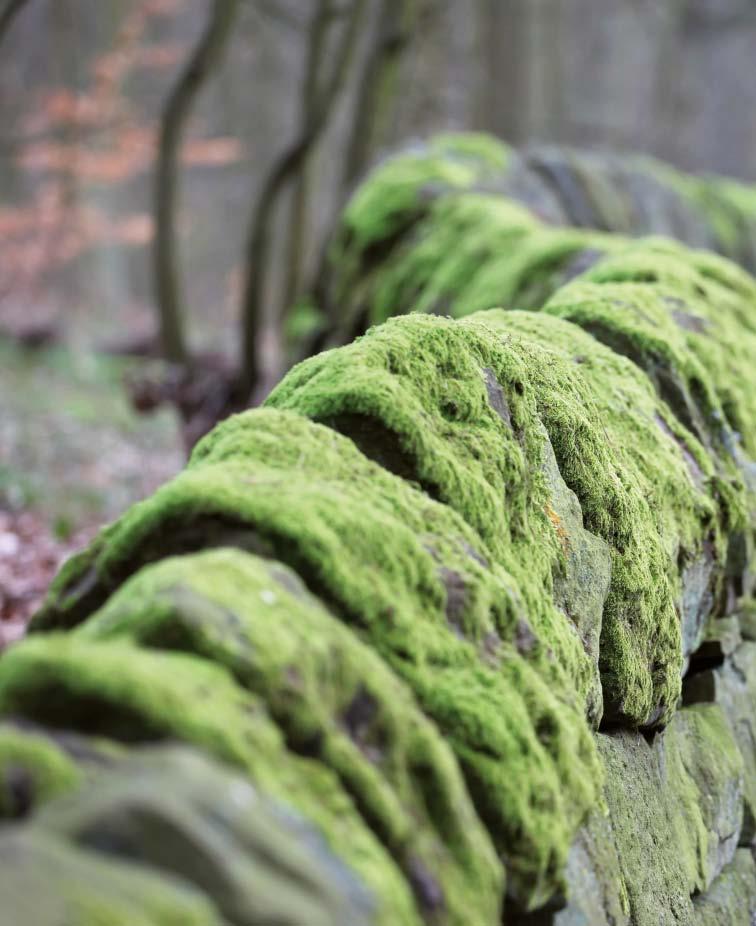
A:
(434, 562)
(417, 582)
(645, 486)
(461, 407)
(689, 320)
(138, 696)
(334, 699)
(468, 251)
(461, 224)
(442, 403)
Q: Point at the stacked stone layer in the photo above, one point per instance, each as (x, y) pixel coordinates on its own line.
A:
(459, 628)
(464, 222)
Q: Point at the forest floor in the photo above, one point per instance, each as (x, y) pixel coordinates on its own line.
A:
(73, 455)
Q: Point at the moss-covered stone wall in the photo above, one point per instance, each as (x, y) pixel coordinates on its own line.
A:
(457, 629)
(464, 222)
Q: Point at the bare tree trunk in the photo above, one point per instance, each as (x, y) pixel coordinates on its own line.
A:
(378, 86)
(205, 56)
(502, 93)
(299, 216)
(258, 239)
(8, 14)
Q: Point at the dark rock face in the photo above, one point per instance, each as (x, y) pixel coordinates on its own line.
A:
(168, 836)
(675, 811)
(457, 630)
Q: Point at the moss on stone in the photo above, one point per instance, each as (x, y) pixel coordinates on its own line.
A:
(669, 830)
(397, 226)
(135, 695)
(433, 269)
(644, 486)
(731, 897)
(401, 186)
(418, 583)
(732, 686)
(33, 769)
(440, 403)
(334, 699)
(689, 320)
(469, 250)
(674, 810)
(637, 489)
(174, 810)
(451, 226)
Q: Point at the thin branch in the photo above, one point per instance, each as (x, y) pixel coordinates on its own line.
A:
(299, 217)
(258, 239)
(206, 54)
(8, 14)
(397, 20)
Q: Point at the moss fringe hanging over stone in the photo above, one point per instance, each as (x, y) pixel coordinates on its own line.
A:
(333, 698)
(132, 694)
(418, 583)
(483, 403)
(689, 320)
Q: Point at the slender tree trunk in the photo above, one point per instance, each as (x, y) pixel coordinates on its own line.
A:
(8, 13)
(299, 216)
(257, 250)
(205, 56)
(502, 92)
(378, 85)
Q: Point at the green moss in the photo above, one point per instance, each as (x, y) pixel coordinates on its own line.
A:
(419, 585)
(401, 186)
(334, 699)
(738, 201)
(674, 811)
(605, 197)
(448, 226)
(526, 276)
(136, 695)
(204, 827)
(644, 486)
(468, 251)
(733, 892)
(439, 403)
(33, 769)
(689, 320)
(431, 270)
(371, 256)
(636, 489)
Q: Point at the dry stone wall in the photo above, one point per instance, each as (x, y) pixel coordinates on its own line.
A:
(457, 629)
(464, 222)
